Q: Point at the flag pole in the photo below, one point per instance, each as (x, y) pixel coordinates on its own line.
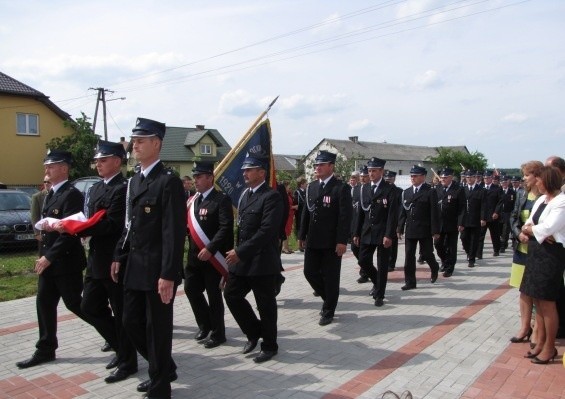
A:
(242, 141)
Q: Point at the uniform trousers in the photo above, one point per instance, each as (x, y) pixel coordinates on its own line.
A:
(149, 324)
(50, 289)
(378, 275)
(471, 241)
(209, 314)
(264, 288)
(446, 249)
(108, 322)
(505, 230)
(322, 269)
(355, 251)
(427, 254)
(494, 229)
(393, 253)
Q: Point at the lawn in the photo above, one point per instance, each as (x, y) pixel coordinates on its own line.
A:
(17, 277)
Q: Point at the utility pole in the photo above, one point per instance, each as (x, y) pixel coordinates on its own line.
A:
(101, 99)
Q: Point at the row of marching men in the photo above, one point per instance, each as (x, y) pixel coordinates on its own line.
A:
(426, 217)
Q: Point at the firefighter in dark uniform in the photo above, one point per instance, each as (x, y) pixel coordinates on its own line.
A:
(61, 260)
(419, 222)
(151, 249)
(210, 237)
(493, 213)
(100, 291)
(376, 227)
(390, 177)
(451, 207)
(325, 228)
(363, 179)
(474, 216)
(254, 265)
(508, 200)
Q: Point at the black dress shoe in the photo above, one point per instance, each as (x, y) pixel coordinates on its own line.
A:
(496, 254)
(113, 363)
(502, 250)
(144, 386)
(362, 279)
(433, 279)
(106, 347)
(447, 273)
(421, 260)
(249, 346)
(213, 342)
(201, 334)
(379, 302)
(325, 320)
(315, 293)
(471, 264)
(118, 375)
(264, 356)
(408, 287)
(35, 360)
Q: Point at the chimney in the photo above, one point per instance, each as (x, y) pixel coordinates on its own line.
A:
(199, 127)
(355, 139)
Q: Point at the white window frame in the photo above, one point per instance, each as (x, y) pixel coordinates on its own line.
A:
(204, 147)
(27, 131)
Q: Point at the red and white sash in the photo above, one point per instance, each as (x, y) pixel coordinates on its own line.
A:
(199, 237)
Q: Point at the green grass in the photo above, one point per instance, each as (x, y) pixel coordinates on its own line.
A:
(17, 275)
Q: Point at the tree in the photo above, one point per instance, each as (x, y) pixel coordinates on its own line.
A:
(81, 144)
(456, 160)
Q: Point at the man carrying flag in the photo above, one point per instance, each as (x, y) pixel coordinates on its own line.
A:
(210, 224)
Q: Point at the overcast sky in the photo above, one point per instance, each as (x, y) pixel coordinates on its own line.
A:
(486, 74)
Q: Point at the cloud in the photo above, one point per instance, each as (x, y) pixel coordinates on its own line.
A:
(300, 106)
(240, 103)
(361, 125)
(515, 118)
(428, 80)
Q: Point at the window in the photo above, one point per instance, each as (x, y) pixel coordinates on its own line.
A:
(28, 124)
(205, 149)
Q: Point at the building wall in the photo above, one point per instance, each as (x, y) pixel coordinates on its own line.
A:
(21, 156)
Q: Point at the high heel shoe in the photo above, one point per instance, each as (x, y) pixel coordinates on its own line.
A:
(532, 345)
(537, 360)
(525, 338)
(531, 355)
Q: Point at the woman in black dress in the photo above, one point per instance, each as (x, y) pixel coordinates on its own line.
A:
(543, 276)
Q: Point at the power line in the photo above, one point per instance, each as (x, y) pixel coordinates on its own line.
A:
(387, 24)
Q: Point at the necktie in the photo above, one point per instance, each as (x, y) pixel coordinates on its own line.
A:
(141, 177)
(200, 199)
(322, 185)
(249, 194)
(416, 190)
(49, 196)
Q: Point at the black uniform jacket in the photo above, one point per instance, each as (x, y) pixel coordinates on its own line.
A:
(493, 201)
(419, 212)
(476, 206)
(259, 219)
(452, 205)
(154, 244)
(107, 232)
(381, 217)
(329, 222)
(508, 200)
(355, 191)
(215, 217)
(64, 251)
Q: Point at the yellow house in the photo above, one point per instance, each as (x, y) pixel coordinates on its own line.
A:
(28, 121)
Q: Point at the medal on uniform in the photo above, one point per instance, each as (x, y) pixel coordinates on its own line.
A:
(327, 200)
(203, 212)
(55, 211)
(147, 209)
(449, 198)
(385, 202)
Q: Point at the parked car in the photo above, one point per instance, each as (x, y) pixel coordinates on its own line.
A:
(29, 190)
(15, 219)
(84, 183)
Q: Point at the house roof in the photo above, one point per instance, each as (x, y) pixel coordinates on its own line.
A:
(391, 152)
(282, 162)
(178, 140)
(11, 86)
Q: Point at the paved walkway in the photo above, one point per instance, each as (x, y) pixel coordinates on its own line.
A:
(443, 340)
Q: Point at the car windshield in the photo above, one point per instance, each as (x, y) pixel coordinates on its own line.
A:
(14, 201)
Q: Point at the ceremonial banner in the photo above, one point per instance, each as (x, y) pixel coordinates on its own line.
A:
(229, 176)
